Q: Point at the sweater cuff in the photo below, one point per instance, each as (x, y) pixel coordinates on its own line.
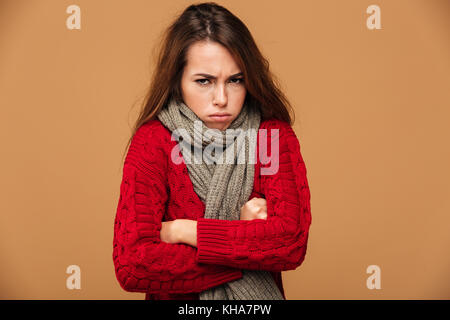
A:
(213, 241)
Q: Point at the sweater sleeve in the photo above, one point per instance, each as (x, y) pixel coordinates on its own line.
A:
(144, 263)
(278, 243)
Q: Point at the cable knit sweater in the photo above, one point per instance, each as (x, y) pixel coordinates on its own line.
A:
(156, 189)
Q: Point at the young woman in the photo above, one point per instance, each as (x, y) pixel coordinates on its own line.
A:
(218, 225)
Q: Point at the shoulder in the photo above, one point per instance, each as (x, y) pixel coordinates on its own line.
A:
(278, 129)
(154, 130)
(285, 155)
(281, 125)
(273, 123)
(153, 134)
(149, 143)
(282, 140)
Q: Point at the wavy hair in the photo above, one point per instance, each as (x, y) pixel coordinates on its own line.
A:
(211, 22)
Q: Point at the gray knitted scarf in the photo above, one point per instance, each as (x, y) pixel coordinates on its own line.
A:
(223, 180)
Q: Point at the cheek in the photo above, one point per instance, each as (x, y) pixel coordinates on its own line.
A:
(237, 99)
(195, 99)
(238, 92)
(194, 92)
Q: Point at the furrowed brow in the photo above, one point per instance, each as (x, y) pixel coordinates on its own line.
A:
(209, 76)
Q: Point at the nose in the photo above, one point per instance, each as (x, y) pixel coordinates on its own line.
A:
(220, 95)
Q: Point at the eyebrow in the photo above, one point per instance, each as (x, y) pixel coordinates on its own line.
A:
(209, 76)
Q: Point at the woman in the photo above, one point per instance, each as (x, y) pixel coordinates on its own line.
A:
(218, 226)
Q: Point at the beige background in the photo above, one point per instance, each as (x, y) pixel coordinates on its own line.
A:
(372, 115)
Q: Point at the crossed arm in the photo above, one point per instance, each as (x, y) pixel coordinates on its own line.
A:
(185, 230)
(182, 255)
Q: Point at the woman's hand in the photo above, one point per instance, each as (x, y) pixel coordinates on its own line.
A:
(185, 230)
(255, 208)
(169, 232)
(179, 231)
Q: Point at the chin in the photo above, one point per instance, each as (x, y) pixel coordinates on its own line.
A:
(217, 126)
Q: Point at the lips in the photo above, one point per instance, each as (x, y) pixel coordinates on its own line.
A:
(220, 114)
(220, 117)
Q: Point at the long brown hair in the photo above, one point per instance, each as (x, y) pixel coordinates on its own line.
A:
(211, 22)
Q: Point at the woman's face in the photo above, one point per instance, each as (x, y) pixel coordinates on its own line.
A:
(212, 83)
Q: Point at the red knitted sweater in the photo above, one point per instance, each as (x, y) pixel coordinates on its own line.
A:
(155, 189)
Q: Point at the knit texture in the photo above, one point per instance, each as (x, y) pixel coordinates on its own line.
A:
(223, 184)
(155, 189)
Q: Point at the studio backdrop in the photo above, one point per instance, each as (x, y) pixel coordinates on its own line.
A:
(370, 85)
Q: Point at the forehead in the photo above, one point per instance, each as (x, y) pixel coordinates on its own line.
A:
(210, 57)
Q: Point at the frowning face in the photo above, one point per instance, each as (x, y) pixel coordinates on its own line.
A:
(212, 83)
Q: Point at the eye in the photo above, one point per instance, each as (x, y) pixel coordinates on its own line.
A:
(239, 80)
(199, 81)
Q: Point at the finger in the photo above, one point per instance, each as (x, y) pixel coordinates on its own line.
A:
(257, 201)
(262, 216)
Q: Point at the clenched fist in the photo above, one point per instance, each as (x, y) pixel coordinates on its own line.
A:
(255, 208)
